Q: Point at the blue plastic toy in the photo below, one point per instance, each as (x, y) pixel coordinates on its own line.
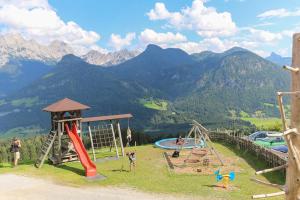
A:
(225, 178)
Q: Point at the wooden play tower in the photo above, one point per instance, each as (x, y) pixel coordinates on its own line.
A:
(57, 146)
(291, 132)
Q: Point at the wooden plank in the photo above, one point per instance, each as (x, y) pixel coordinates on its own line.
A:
(106, 118)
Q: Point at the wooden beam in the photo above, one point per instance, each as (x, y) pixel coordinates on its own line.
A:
(198, 124)
(115, 142)
(281, 187)
(59, 131)
(289, 93)
(259, 196)
(271, 170)
(107, 118)
(281, 109)
(68, 120)
(290, 131)
(292, 69)
(120, 137)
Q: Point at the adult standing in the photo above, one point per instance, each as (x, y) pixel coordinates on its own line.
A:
(15, 150)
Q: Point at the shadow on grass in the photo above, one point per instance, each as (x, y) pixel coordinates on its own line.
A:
(120, 170)
(211, 186)
(27, 162)
(21, 163)
(80, 172)
(256, 163)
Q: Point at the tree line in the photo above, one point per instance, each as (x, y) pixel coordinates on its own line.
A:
(31, 146)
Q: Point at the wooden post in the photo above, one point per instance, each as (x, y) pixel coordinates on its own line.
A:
(292, 172)
(115, 142)
(190, 133)
(60, 125)
(281, 109)
(92, 143)
(80, 129)
(120, 136)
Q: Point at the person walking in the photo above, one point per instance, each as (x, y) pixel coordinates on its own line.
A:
(15, 150)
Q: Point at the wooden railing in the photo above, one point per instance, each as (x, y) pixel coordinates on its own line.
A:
(271, 157)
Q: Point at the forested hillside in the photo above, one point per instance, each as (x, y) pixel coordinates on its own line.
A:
(205, 86)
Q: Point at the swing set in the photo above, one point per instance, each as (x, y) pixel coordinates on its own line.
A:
(102, 133)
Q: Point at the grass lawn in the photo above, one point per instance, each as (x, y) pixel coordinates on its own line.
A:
(152, 175)
(155, 104)
(263, 123)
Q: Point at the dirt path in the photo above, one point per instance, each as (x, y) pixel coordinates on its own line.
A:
(15, 187)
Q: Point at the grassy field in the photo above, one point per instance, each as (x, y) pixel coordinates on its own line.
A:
(155, 104)
(264, 123)
(152, 175)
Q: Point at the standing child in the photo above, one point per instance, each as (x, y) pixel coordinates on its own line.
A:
(132, 160)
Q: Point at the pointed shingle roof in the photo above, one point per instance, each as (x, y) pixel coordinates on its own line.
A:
(65, 105)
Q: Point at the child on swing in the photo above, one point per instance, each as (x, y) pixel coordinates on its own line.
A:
(132, 160)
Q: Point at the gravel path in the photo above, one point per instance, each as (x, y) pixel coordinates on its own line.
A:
(15, 187)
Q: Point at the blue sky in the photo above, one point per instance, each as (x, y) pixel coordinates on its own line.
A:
(193, 25)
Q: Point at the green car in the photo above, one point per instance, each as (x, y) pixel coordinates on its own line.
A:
(270, 142)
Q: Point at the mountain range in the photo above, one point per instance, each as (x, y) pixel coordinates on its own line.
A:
(22, 61)
(162, 88)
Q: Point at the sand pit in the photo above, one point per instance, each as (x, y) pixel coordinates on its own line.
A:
(201, 162)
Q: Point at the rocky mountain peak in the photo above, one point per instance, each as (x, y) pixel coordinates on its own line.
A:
(111, 58)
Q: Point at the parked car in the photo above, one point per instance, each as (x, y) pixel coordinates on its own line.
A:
(281, 148)
(263, 134)
(270, 142)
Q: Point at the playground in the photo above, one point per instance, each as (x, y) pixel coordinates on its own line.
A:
(176, 167)
(186, 167)
(152, 176)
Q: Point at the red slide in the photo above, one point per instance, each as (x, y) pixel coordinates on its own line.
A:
(89, 166)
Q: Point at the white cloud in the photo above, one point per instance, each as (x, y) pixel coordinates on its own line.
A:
(282, 12)
(206, 21)
(189, 47)
(283, 52)
(255, 40)
(265, 36)
(150, 36)
(117, 42)
(262, 53)
(218, 45)
(212, 44)
(36, 19)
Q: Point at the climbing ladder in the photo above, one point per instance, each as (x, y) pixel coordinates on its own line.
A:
(46, 147)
